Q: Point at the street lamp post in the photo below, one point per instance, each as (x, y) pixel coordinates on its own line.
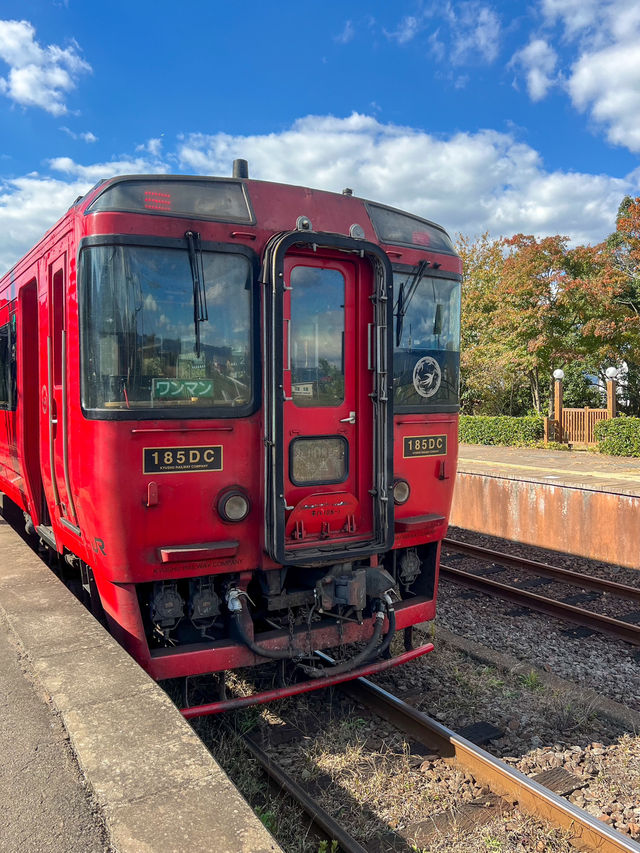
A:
(558, 376)
(612, 375)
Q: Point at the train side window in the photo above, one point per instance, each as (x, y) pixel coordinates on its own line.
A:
(8, 365)
(57, 299)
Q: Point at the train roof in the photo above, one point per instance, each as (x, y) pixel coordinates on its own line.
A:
(235, 199)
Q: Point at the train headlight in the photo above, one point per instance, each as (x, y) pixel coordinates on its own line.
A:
(233, 505)
(401, 492)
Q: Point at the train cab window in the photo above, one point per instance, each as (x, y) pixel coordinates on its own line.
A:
(154, 338)
(8, 365)
(426, 342)
(317, 336)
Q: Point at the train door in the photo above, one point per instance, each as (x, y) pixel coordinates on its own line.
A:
(28, 384)
(331, 421)
(57, 396)
(327, 419)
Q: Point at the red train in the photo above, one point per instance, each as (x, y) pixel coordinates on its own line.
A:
(230, 407)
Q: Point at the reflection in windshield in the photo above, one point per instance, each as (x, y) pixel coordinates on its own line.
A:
(317, 336)
(139, 342)
(427, 351)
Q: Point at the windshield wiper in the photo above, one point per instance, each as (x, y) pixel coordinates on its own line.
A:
(200, 313)
(405, 300)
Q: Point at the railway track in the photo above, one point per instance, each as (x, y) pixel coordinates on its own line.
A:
(325, 825)
(509, 787)
(601, 623)
(587, 832)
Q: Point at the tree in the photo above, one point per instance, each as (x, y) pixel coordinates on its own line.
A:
(531, 305)
(623, 248)
(489, 385)
(624, 251)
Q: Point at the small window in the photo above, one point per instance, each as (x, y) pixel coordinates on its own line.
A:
(317, 336)
(319, 460)
(8, 365)
(402, 229)
(215, 199)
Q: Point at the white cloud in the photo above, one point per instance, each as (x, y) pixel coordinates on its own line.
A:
(85, 136)
(477, 33)
(469, 182)
(607, 82)
(538, 61)
(95, 171)
(153, 147)
(598, 40)
(436, 47)
(407, 29)
(469, 32)
(38, 77)
(28, 207)
(31, 204)
(347, 33)
(575, 15)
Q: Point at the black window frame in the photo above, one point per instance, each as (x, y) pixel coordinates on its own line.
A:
(194, 412)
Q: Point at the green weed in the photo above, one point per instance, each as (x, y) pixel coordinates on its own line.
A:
(531, 680)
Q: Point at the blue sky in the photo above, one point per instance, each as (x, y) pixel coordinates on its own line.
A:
(506, 117)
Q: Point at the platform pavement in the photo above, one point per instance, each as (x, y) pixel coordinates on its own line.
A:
(574, 468)
(132, 777)
(45, 804)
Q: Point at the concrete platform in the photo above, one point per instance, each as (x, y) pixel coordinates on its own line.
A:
(46, 804)
(572, 468)
(569, 501)
(99, 759)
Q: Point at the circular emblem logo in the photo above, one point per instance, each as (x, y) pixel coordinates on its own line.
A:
(427, 376)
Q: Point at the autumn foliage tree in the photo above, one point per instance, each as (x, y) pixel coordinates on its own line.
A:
(623, 247)
(531, 305)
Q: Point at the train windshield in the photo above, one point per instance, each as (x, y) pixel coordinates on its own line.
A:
(426, 342)
(141, 348)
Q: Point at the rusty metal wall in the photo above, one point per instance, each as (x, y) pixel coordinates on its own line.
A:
(594, 524)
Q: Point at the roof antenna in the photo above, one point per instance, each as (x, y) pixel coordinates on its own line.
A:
(240, 169)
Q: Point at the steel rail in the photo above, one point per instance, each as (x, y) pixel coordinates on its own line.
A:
(321, 818)
(587, 832)
(603, 624)
(564, 575)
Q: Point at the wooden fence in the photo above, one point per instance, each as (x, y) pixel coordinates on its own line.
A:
(578, 425)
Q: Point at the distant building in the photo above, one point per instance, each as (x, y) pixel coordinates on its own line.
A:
(304, 389)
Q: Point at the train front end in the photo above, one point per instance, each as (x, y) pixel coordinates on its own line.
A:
(265, 435)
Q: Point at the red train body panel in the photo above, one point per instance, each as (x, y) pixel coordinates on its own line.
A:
(231, 407)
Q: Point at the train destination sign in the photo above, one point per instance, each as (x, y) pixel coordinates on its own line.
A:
(178, 460)
(424, 445)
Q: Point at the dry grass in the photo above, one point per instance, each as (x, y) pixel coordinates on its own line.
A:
(515, 833)
(365, 774)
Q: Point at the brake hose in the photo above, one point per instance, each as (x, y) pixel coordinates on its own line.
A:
(235, 608)
(369, 650)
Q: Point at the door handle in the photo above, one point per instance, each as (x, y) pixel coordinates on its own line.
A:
(350, 420)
